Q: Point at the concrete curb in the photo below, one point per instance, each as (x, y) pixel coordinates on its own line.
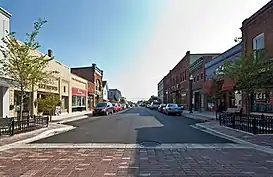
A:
(231, 138)
(42, 135)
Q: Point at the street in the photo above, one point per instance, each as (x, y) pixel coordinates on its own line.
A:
(137, 142)
(135, 126)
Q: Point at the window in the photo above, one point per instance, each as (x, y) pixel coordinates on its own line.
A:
(258, 46)
(194, 79)
(202, 75)
(64, 89)
(74, 101)
(197, 77)
(98, 86)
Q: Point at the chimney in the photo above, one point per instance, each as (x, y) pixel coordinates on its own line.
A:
(188, 52)
(50, 53)
(94, 66)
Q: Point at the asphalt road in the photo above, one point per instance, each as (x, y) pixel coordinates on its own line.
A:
(135, 126)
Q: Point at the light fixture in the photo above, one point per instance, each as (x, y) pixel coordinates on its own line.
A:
(191, 77)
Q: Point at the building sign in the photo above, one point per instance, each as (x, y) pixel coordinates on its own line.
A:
(78, 92)
(48, 87)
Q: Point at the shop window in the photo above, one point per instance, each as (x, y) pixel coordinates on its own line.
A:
(83, 101)
(74, 101)
(79, 101)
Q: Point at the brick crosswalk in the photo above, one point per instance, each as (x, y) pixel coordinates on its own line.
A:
(135, 162)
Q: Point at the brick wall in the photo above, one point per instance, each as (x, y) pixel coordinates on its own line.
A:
(86, 73)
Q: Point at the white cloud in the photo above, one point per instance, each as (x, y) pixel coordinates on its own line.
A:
(196, 25)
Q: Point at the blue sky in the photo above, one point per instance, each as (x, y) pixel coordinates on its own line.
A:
(135, 42)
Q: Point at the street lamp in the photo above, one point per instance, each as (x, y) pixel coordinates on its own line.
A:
(190, 93)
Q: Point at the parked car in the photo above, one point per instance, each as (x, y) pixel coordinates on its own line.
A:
(103, 108)
(161, 108)
(120, 107)
(173, 109)
(116, 107)
(182, 106)
(124, 106)
(154, 105)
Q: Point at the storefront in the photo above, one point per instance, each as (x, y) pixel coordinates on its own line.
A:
(78, 99)
(218, 89)
(262, 102)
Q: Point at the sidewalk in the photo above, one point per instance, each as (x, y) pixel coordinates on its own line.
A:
(4, 140)
(71, 115)
(206, 116)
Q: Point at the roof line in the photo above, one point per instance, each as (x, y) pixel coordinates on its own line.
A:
(5, 12)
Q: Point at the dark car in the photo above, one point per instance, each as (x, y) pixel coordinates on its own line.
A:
(161, 108)
(103, 108)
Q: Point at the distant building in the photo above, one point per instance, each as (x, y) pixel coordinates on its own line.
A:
(114, 94)
(94, 75)
(105, 90)
(160, 91)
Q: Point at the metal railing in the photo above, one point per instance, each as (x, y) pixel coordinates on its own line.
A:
(256, 124)
(13, 125)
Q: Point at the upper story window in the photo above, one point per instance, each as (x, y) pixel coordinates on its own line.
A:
(258, 45)
(98, 85)
(197, 77)
(202, 75)
(194, 79)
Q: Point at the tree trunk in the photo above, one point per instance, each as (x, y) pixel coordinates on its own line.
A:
(21, 103)
(32, 100)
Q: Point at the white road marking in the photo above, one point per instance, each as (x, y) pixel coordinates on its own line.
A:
(134, 146)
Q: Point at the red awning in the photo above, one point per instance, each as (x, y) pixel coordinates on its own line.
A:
(207, 86)
(228, 84)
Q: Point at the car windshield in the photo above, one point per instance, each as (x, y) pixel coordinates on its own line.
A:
(172, 105)
(163, 105)
(99, 105)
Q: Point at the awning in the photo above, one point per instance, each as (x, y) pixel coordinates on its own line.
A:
(228, 84)
(207, 86)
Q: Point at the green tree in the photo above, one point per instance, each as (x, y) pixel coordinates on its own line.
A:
(252, 74)
(25, 69)
(49, 103)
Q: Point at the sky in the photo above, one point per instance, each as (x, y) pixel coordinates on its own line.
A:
(135, 42)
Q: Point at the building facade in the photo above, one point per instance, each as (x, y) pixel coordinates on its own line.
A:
(105, 89)
(197, 70)
(59, 85)
(160, 91)
(79, 90)
(257, 35)
(225, 85)
(114, 95)
(94, 75)
(177, 80)
(4, 82)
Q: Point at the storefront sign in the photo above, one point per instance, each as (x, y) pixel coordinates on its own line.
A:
(78, 92)
(48, 87)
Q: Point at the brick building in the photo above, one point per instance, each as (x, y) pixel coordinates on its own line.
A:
(197, 70)
(94, 75)
(257, 35)
(176, 81)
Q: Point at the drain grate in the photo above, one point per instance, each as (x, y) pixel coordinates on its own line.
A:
(150, 143)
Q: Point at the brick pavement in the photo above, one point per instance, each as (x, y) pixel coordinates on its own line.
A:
(135, 162)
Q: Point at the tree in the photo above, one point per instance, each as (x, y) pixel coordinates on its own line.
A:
(49, 103)
(252, 74)
(25, 69)
(215, 90)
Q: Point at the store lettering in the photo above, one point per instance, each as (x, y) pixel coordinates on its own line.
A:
(48, 87)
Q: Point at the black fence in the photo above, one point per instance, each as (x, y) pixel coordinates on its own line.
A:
(256, 124)
(14, 125)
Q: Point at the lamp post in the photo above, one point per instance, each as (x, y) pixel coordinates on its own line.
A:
(190, 93)
(167, 97)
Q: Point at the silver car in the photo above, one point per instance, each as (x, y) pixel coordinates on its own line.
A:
(173, 109)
